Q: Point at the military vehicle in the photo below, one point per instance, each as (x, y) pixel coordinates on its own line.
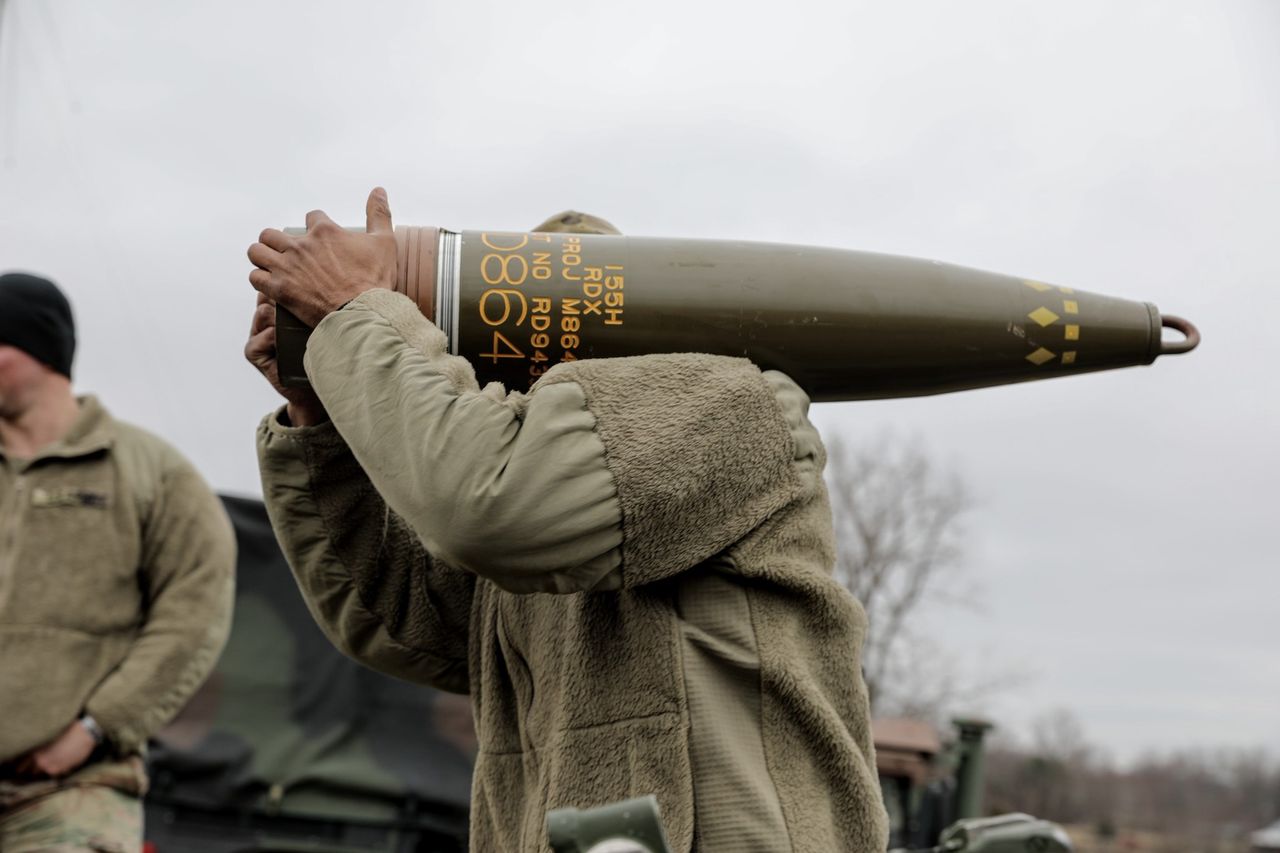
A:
(289, 746)
(933, 793)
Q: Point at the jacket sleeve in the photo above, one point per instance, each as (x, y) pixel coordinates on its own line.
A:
(187, 575)
(609, 473)
(368, 582)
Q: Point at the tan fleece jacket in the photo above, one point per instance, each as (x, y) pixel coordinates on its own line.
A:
(629, 569)
(116, 573)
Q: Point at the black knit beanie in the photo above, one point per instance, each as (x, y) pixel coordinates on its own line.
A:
(35, 317)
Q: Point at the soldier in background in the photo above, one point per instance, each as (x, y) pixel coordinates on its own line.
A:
(116, 581)
(628, 568)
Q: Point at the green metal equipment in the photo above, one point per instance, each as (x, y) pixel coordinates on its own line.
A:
(631, 826)
(1010, 833)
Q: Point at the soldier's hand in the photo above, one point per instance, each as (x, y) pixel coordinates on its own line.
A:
(63, 754)
(305, 408)
(327, 267)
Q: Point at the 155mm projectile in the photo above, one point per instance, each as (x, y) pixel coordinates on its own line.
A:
(845, 325)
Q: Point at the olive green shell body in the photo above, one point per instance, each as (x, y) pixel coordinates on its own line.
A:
(844, 324)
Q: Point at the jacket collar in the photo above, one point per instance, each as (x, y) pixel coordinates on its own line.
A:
(92, 431)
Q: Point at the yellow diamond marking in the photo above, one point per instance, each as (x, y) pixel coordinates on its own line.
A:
(1043, 316)
(1069, 357)
(1040, 356)
(1070, 306)
(1036, 285)
(1073, 332)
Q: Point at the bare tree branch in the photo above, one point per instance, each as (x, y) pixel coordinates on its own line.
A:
(898, 535)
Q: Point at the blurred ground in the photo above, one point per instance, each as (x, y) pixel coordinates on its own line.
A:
(1087, 840)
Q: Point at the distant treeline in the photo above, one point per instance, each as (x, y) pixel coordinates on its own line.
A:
(1203, 796)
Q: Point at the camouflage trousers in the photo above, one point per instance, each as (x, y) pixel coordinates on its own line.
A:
(96, 810)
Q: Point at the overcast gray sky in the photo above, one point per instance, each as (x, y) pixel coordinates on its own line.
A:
(1126, 526)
